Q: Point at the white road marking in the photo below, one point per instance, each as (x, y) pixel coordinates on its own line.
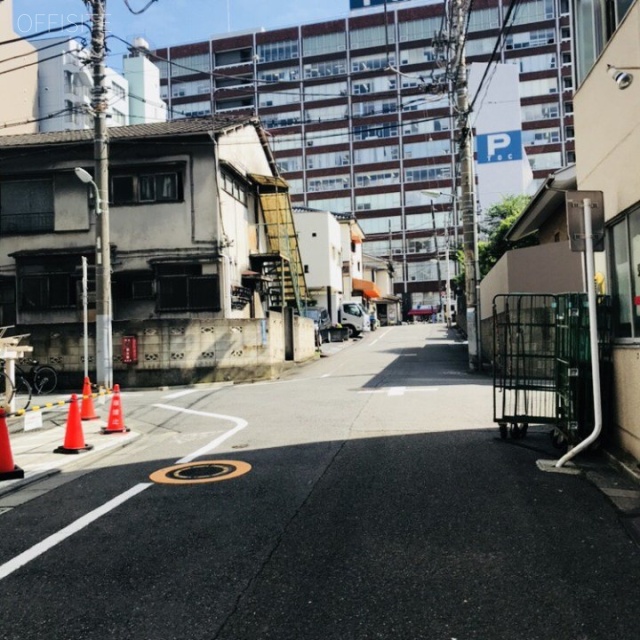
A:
(379, 337)
(398, 391)
(48, 543)
(179, 394)
(240, 424)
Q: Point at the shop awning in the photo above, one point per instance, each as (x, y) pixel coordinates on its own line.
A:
(367, 288)
(422, 312)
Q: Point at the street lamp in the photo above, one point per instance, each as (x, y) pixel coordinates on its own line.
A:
(104, 344)
(438, 194)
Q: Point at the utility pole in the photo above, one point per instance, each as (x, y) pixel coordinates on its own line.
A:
(104, 345)
(467, 179)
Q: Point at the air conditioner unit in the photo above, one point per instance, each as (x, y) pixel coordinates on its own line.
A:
(309, 143)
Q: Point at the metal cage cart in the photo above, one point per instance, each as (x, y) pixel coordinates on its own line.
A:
(542, 363)
(575, 419)
(525, 363)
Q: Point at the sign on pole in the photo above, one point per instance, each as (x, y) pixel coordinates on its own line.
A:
(575, 219)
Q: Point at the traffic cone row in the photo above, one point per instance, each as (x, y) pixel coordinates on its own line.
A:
(116, 419)
(74, 437)
(74, 441)
(87, 411)
(8, 470)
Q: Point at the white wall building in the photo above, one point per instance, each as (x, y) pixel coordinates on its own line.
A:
(20, 82)
(145, 104)
(320, 242)
(65, 81)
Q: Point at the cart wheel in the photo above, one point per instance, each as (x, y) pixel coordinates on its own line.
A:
(517, 431)
(503, 430)
(558, 440)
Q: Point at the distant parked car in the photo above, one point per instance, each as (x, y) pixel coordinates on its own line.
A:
(321, 321)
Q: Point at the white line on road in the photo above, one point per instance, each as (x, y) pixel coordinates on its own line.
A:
(398, 391)
(48, 543)
(240, 424)
(179, 394)
(379, 338)
(37, 550)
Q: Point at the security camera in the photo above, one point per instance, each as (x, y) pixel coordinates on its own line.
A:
(622, 78)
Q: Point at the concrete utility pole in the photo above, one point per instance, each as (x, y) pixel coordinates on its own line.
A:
(467, 179)
(104, 345)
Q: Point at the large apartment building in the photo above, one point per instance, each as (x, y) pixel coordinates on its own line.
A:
(361, 119)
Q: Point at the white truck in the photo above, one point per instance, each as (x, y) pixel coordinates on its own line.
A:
(352, 316)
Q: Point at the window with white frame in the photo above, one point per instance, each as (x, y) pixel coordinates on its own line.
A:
(532, 88)
(324, 43)
(336, 112)
(540, 136)
(290, 163)
(376, 154)
(545, 160)
(434, 172)
(419, 55)
(540, 112)
(189, 65)
(325, 91)
(372, 62)
(484, 19)
(374, 108)
(480, 47)
(282, 119)
(374, 201)
(325, 137)
(196, 87)
(381, 247)
(329, 183)
(285, 142)
(273, 51)
(382, 224)
(535, 11)
(541, 62)
(328, 160)
(280, 98)
(530, 39)
(427, 149)
(325, 69)
(423, 271)
(371, 132)
(286, 74)
(336, 205)
(372, 37)
(423, 29)
(377, 178)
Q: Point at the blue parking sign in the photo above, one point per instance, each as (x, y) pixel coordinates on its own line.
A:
(504, 146)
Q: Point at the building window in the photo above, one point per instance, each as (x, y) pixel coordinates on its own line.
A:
(182, 287)
(50, 284)
(234, 187)
(26, 206)
(624, 254)
(146, 187)
(272, 51)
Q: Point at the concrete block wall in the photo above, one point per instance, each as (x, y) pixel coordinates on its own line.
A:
(175, 352)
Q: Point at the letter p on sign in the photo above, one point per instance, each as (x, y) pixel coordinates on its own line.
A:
(497, 141)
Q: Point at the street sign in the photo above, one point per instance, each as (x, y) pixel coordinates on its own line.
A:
(575, 201)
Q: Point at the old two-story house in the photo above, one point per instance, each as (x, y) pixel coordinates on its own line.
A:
(206, 271)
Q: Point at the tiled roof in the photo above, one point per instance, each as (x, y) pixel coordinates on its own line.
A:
(159, 129)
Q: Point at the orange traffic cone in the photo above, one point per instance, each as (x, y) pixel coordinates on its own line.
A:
(8, 470)
(74, 437)
(87, 412)
(116, 419)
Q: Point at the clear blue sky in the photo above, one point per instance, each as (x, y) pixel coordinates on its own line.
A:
(169, 22)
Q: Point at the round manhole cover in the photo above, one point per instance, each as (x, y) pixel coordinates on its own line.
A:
(200, 472)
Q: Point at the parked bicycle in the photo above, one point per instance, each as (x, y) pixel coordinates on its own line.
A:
(38, 379)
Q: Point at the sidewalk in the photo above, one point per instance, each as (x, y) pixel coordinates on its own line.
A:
(33, 448)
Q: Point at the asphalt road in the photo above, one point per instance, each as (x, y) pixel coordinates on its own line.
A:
(380, 502)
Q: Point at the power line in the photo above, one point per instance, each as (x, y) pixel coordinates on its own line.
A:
(137, 13)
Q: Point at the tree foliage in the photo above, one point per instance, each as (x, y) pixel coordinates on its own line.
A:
(499, 218)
